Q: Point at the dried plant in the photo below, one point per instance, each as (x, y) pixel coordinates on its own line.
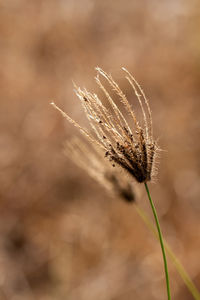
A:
(134, 150)
(131, 148)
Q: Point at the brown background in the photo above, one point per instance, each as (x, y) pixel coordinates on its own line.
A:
(61, 235)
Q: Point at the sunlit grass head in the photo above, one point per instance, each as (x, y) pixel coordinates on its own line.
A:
(127, 144)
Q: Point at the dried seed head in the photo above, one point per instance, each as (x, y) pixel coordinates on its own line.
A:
(130, 147)
(92, 160)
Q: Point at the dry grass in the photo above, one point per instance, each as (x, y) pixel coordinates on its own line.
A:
(132, 149)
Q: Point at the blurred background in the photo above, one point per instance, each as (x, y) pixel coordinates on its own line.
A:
(62, 236)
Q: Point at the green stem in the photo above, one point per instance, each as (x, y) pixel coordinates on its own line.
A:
(182, 272)
(161, 240)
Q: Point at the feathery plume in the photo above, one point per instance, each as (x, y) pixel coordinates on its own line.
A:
(131, 147)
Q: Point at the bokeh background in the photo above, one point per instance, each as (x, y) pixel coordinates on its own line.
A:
(62, 236)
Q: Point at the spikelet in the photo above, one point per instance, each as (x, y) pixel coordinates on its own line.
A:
(132, 147)
(91, 159)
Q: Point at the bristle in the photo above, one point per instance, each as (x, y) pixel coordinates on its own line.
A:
(145, 100)
(120, 118)
(122, 96)
(82, 130)
(141, 105)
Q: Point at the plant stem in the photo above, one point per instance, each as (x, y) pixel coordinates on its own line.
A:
(179, 267)
(161, 240)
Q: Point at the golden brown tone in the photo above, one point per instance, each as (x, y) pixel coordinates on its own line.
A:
(61, 235)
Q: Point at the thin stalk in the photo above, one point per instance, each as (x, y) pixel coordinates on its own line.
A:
(180, 269)
(161, 240)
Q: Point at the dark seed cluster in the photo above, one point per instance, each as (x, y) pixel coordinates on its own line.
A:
(136, 158)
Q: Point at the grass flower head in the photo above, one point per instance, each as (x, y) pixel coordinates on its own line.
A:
(129, 145)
